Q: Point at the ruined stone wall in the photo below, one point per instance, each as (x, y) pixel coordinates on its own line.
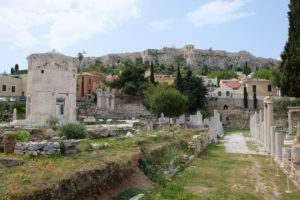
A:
(195, 58)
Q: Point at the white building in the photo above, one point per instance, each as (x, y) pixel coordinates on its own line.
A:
(222, 91)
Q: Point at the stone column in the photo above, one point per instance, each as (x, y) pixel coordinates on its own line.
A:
(270, 123)
(112, 106)
(107, 103)
(99, 102)
(261, 125)
(290, 123)
(265, 125)
(15, 116)
(278, 145)
(256, 127)
(199, 118)
(272, 139)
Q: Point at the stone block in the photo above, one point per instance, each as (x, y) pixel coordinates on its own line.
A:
(36, 135)
(98, 133)
(9, 142)
(10, 162)
(295, 154)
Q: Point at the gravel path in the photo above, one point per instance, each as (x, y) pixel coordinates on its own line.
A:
(236, 143)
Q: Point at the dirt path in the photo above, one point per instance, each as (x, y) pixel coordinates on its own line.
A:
(236, 143)
(230, 170)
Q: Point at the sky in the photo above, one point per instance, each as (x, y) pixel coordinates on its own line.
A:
(100, 27)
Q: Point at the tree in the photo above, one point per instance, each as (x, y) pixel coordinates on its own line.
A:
(20, 106)
(152, 80)
(80, 57)
(245, 97)
(196, 92)
(276, 76)
(262, 73)
(189, 74)
(165, 100)
(247, 69)
(12, 71)
(178, 79)
(290, 65)
(254, 100)
(16, 67)
(222, 74)
(132, 79)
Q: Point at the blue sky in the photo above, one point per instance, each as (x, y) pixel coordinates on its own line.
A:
(99, 27)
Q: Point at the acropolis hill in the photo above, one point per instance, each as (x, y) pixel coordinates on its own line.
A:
(195, 58)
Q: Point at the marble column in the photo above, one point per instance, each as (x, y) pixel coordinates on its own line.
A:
(265, 126)
(107, 103)
(15, 115)
(272, 139)
(270, 123)
(112, 106)
(99, 102)
(261, 125)
(278, 145)
(290, 123)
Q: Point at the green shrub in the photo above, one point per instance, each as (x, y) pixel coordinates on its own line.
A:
(62, 147)
(52, 122)
(129, 193)
(73, 130)
(151, 171)
(20, 135)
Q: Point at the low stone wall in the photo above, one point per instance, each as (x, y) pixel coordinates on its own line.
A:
(103, 132)
(45, 148)
(37, 148)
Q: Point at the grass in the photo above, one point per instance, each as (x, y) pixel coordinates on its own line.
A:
(216, 175)
(43, 172)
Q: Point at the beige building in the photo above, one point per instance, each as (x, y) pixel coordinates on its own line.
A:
(209, 81)
(51, 87)
(262, 87)
(223, 91)
(13, 87)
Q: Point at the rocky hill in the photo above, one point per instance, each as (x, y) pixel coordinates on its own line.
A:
(195, 58)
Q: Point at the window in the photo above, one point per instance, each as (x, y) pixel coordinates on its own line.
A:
(90, 81)
(219, 93)
(13, 88)
(269, 88)
(254, 88)
(42, 71)
(227, 93)
(3, 88)
(89, 91)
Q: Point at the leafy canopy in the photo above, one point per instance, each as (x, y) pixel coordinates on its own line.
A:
(132, 79)
(165, 100)
(262, 73)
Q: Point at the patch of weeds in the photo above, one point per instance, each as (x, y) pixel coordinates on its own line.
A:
(151, 171)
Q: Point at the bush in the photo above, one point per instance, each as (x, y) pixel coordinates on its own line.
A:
(20, 135)
(52, 122)
(151, 171)
(73, 130)
(165, 100)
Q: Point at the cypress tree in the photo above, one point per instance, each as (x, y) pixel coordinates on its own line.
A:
(290, 65)
(82, 86)
(152, 80)
(245, 97)
(254, 100)
(16, 67)
(12, 71)
(189, 74)
(178, 79)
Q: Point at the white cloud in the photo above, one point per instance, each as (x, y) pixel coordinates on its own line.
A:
(218, 12)
(160, 25)
(60, 23)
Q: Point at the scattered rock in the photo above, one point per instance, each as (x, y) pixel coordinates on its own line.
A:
(98, 133)
(137, 197)
(36, 135)
(100, 146)
(129, 134)
(10, 162)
